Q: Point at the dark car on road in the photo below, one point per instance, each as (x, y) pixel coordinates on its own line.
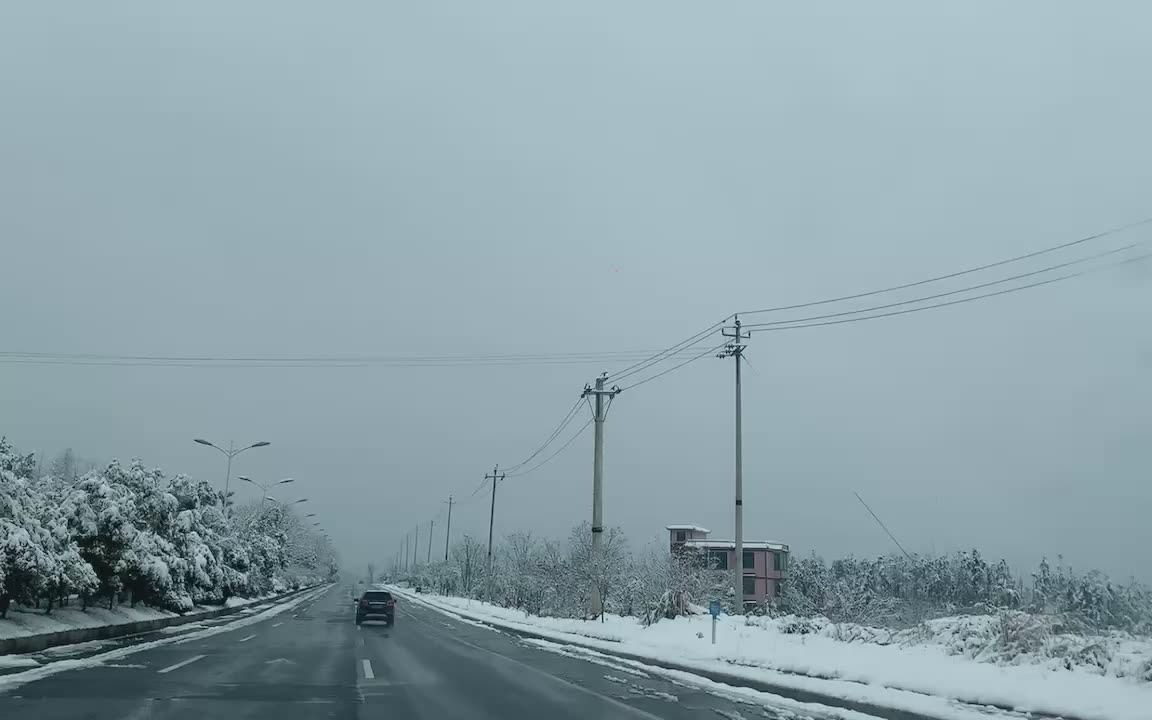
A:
(376, 605)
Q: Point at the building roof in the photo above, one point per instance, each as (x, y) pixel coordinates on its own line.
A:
(708, 544)
(695, 528)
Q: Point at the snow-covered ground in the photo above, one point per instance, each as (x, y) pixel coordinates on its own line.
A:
(30, 621)
(930, 677)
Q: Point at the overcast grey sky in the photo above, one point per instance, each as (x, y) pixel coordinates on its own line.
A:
(302, 178)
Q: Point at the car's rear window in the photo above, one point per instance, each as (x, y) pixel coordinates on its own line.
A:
(377, 596)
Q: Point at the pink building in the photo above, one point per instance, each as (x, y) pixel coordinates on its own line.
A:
(765, 563)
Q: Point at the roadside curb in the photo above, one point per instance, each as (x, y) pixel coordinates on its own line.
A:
(792, 693)
(42, 641)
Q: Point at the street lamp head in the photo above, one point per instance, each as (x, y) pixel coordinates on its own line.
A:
(262, 443)
(246, 479)
(285, 481)
(302, 500)
(269, 497)
(202, 442)
(310, 515)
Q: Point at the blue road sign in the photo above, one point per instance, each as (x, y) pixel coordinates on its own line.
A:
(714, 608)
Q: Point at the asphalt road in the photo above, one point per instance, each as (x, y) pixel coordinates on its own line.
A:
(314, 662)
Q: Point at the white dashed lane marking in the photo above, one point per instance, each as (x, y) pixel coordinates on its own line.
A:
(246, 639)
(368, 674)
(181, 664)
(277, 624)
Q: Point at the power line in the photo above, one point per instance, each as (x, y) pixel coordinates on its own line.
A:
(562, 448)
(477, 490)
(948, 276)
(666, 352)
(662, 373)
(559, 429)
(346, 358)
(970, 288)
(93, 359)
(933, 306)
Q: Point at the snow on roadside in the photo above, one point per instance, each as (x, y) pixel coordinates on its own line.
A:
(678, 677)
(22, 622)
(922, 679)
(16, 661)
(16, 680)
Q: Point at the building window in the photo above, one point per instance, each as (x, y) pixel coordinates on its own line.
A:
(681, 536)
(749, 560)
(718, 559)
(780, 561)
(749, 585)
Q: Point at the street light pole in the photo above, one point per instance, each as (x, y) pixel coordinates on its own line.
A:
(264, 486)
(228, 474)
(230, 453)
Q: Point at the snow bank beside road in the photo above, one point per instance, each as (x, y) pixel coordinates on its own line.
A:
(922, 679)
(22, 622)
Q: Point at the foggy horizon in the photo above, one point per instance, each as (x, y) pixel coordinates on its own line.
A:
(410, 181)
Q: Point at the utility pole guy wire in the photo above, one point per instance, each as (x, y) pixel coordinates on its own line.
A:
(882, 525)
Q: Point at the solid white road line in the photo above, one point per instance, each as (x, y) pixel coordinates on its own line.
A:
(277, 624)
(246, 639)
(368, 674)
(181, 664)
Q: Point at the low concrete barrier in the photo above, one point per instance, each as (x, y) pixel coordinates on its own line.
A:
(36, 643)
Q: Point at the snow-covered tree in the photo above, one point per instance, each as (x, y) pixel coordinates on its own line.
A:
(601, 573)
(129, 529)
(38, 557)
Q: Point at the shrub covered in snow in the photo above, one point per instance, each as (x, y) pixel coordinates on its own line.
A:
(167, 542)
(553, 579)
(900, 591)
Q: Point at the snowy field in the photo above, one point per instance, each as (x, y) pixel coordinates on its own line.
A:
(939, 669)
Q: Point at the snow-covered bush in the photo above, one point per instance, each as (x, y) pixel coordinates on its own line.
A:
(549, 578)
(902, 591)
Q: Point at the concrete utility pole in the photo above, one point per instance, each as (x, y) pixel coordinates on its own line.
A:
(735, 349)
(431, 524)
(448, 532)
(599, 413)
(491, 519)
(416, 547)
(405, 552)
